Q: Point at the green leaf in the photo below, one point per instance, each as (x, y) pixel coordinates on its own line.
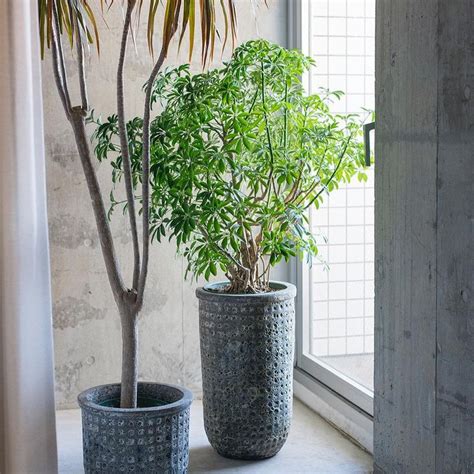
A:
(239, 155)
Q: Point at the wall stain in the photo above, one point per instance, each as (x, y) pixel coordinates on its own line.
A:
(161, 366)
(70, 232)
(64, 160)
(155, 300)
(61, 147)
(67, 379)
(123, 234)
(70, 312)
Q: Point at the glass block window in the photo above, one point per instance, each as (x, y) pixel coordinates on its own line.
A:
(340, 37)
(343, 286)
(342, 41)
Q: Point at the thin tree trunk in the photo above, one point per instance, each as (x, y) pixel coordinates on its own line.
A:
(61, 82)
(124, 147)
(81, 69)
(146, 176)
(129, 381)
(126, 301)
(129, 302)
(102, 223)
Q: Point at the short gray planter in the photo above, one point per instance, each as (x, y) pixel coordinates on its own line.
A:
(153, 438)
(247, 346)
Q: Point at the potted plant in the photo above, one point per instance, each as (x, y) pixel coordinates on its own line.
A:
(239, 154)
(131, 426)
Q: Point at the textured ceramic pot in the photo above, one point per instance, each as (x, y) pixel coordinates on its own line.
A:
(153, 438)
(247, 369)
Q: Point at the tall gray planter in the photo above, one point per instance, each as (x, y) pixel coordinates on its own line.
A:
(151, 439)
(247, 344)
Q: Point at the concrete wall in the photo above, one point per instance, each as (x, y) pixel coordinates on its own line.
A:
(424, 243)
(86, 324)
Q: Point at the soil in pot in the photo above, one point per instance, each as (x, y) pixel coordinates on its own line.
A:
(142, 402)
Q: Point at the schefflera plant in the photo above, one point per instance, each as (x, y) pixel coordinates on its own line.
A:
(238, 156)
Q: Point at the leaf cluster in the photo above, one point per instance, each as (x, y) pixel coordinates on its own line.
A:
(238, 155)
(78, 18)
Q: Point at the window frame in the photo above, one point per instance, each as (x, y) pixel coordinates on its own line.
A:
(343, 385)
(356, 396)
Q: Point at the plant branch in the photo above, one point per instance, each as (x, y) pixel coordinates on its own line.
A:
(269, 140)
(285, 120)
(62, 64)
(265, 267)
(333, 173)
(103, 227)
(223, 250)
(254, 100)
(146, 175)
(309, 190)
(222, 135)
(245, 243)
(82, 74)
(122, 130)
(294, 190)
(171, 22)
(58, 70)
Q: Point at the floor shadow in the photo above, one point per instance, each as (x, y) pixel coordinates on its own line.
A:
(205, 459)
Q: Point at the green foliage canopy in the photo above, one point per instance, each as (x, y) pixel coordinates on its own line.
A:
(238, 156)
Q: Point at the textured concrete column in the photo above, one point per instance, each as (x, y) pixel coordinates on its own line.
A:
(424, 243)
(27, 419)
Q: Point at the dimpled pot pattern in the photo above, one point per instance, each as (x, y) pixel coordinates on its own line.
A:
(153, 439)
(247, 344)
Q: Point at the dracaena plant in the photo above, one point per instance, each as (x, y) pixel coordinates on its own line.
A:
(77, 21)
(238, 156)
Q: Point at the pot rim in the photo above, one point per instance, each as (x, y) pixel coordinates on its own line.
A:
(182, 403)
(282, 289)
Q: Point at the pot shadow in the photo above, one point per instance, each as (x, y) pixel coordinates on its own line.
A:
(205, 459)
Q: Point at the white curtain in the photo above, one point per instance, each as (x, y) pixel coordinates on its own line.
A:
(27, 420)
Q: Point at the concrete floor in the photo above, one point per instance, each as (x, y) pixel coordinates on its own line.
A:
(312, 447)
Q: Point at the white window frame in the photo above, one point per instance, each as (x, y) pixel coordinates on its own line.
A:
(349, 389)
(341, 400)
